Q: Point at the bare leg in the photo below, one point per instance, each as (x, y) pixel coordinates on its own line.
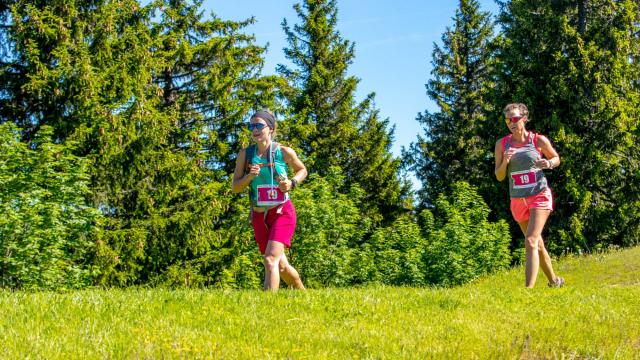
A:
(545, 261)
(543, 255)
(272, 256)
(289, 274)
(533, 236)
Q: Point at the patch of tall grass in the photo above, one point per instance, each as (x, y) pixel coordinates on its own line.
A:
(597, 315)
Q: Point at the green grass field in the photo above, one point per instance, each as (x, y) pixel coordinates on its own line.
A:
(597, 315)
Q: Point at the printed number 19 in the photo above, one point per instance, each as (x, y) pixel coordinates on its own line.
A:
(524, 179)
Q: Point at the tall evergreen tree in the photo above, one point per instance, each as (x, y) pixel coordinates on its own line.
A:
(455, 146)
(47, 76)
(572, 63)
(329, 127)
(78, 67)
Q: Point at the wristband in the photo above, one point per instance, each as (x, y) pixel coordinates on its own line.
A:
(294, 183)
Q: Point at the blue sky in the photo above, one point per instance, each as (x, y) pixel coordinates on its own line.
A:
(393, 45)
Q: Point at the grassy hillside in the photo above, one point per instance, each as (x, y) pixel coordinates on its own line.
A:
(597, 315)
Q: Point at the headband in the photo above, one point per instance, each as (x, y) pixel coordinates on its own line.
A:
(266, 116)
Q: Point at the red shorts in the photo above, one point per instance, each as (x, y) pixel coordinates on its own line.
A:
(520, 207)
(278, 224)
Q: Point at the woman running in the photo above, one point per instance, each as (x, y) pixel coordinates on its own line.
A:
(263, 168)
(521, 156)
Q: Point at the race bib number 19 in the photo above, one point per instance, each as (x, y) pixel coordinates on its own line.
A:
(269, 195)
(523, 179)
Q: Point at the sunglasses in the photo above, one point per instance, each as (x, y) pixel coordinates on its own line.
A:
(258, 126)
(514, 119)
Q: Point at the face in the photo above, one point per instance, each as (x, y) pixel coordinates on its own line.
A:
(514, 120)
(259, 129)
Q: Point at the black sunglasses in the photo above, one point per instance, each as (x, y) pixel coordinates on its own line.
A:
(258, 126)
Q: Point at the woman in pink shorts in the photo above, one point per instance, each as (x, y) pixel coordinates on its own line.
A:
(263, 167)
(521, 156)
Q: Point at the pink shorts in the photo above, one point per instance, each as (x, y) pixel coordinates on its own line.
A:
(520, 207)
(278, 224)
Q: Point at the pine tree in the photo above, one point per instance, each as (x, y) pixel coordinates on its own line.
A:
(574, 63)
(329, 127)
(78, 67)
(47, 76)
(455, 146)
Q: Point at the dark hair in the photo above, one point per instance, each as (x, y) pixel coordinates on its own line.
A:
(520, 106)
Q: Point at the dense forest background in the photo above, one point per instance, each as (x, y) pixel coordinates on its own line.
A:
(120, 123)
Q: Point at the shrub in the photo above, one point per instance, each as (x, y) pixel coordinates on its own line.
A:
(462, 243)
(47, 231)
(330, 227)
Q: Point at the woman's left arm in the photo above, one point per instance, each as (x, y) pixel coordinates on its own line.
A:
(300, 171)
(552, 159)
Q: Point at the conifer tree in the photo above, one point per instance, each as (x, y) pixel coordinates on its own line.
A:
(47, 76)
(574, 63)
(328, 125)
(80, 68)
(455, 146)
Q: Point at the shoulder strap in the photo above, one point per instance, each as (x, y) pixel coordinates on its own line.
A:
(271, 158)
(504, 141)
(535, 143)
(248, 154)
(271, 155)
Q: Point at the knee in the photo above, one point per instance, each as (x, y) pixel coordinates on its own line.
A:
(531, 243)
(282, 266)
(271, 261)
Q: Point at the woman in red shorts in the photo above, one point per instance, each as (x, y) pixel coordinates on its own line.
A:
(521, 156)
(263, 167)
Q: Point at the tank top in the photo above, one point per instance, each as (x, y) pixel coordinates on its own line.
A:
(269, 172)
(524, 178)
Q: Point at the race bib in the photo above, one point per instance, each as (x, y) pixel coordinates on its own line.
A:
(523, 179)
(269, 195)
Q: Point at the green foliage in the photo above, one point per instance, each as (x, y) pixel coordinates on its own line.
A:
(456, 246)
(462, 244)
(397, 253)
(329, 228)
(47, 229)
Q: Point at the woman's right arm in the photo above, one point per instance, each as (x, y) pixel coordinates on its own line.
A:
(502, 160)
(240, 179)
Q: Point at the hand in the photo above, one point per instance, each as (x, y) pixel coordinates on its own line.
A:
(254, 170)
(506, 156)
(284, 184)
(543, 164)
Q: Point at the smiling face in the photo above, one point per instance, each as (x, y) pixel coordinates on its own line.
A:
(260, 131)
(515, 120)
